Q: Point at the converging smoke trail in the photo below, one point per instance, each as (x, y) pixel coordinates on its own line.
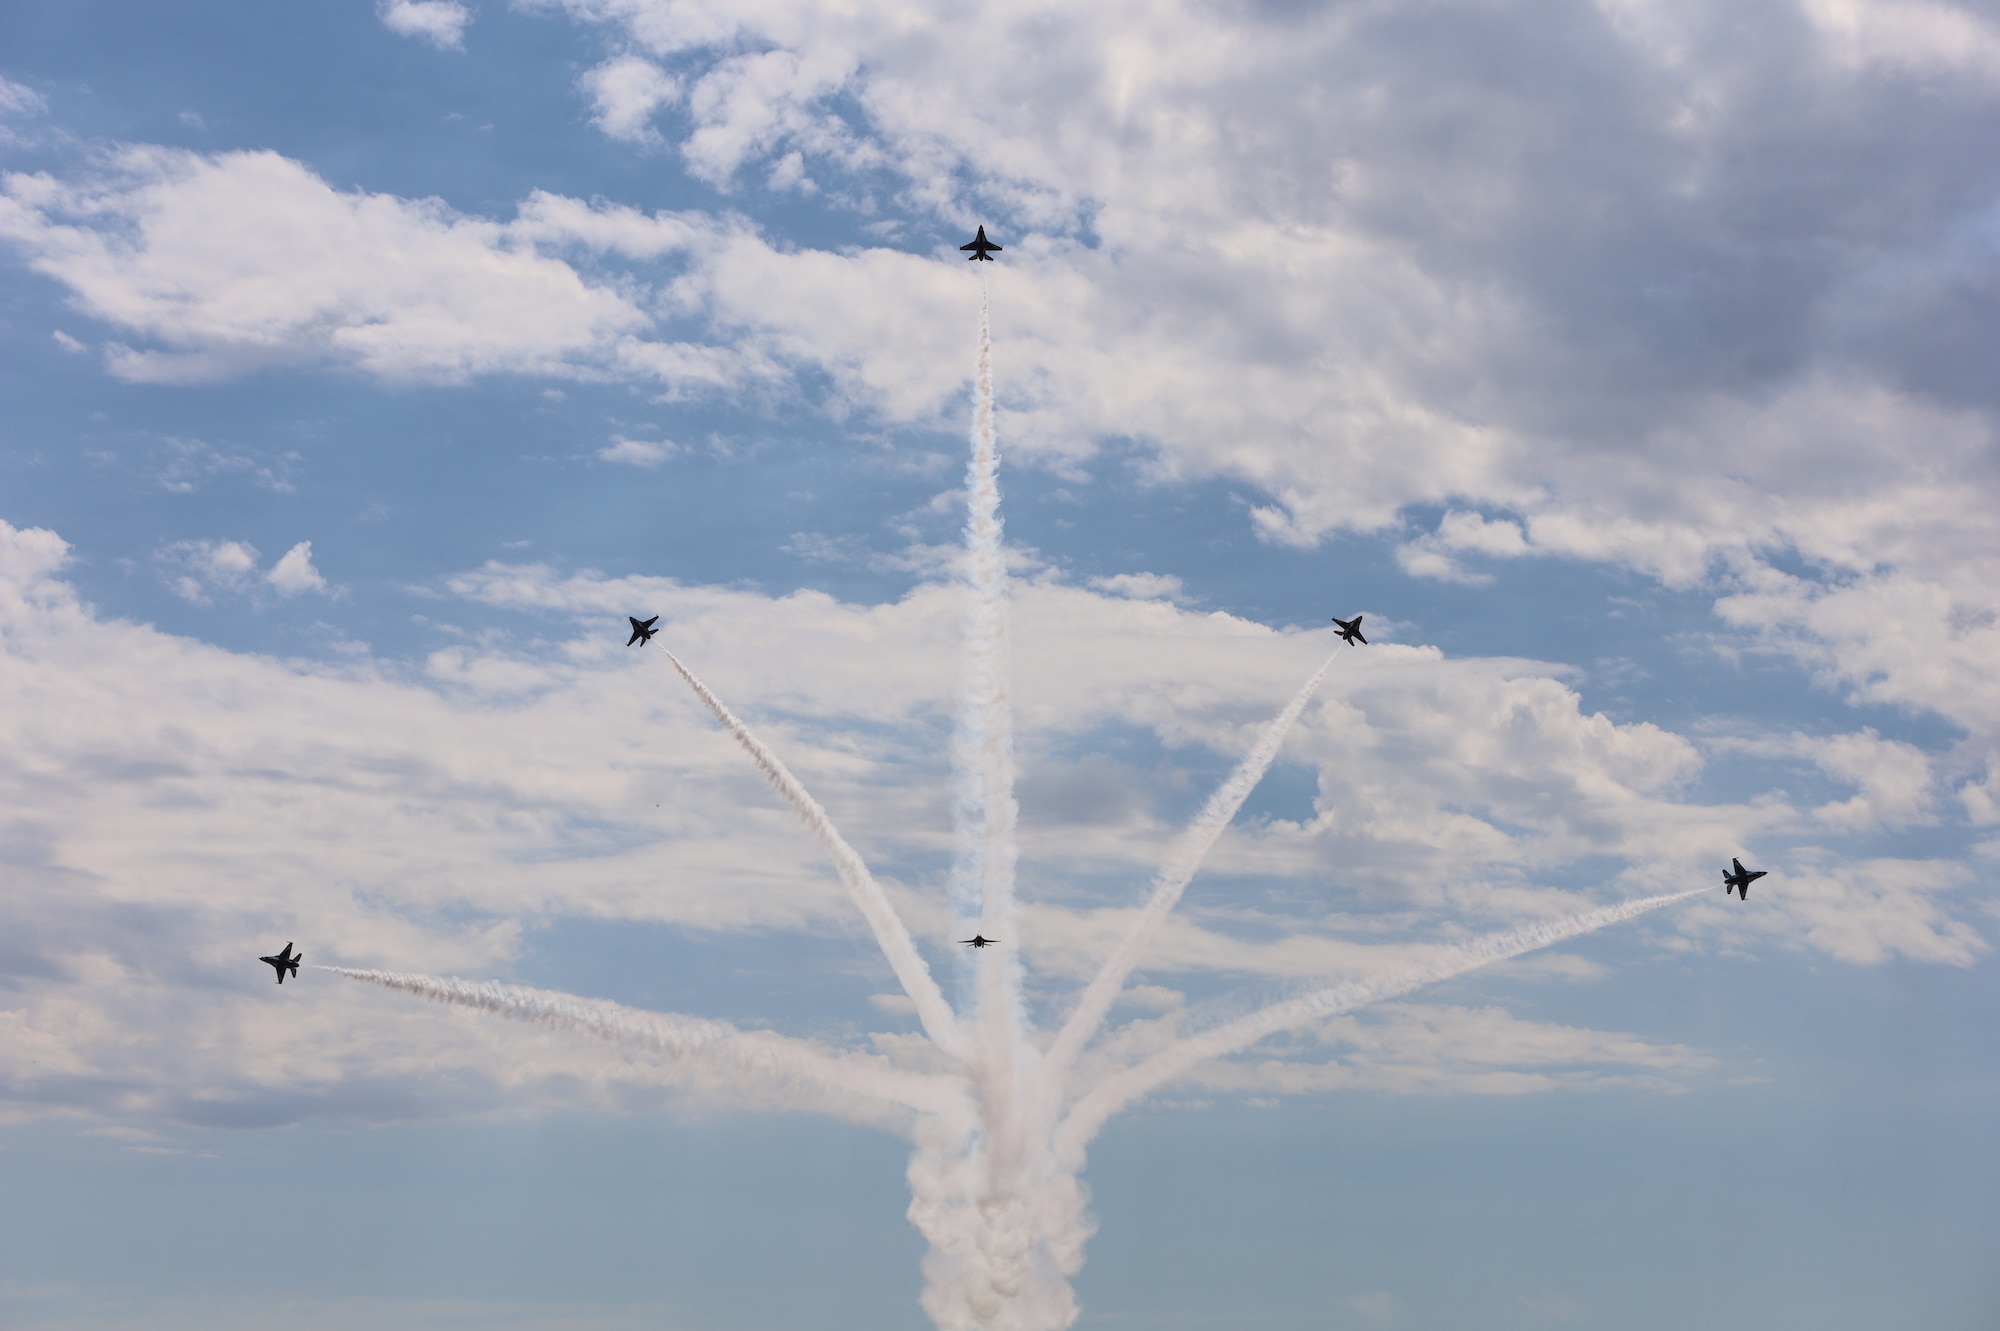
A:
(1183, 860)
(1122, 1088)
(890, 933)
(973, 1201)
(806, 1075)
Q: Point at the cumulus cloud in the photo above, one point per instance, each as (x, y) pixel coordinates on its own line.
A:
(294, 572)
(207, 567)
(1694, 343)
(1355, 265)
(442, 23)
(1895, 781)
(185, 805)
(1430, 556)
(199, 571)
(241, 260)
(625, 91)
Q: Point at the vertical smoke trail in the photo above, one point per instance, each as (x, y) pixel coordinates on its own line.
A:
(987, 810)
(1002, 1241)
(1184, 857)
(1122, 1088)
(802, 1071)
(890, 933)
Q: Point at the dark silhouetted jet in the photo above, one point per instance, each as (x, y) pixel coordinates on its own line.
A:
(981, 247)
(283, 962)
(979, 940)
(642, 632)
(1740, 880)
(1350, 629)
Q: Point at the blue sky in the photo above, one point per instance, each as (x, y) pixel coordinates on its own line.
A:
(1627, 363)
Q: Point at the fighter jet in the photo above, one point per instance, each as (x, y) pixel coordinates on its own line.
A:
(283, 962)
(979, 940)
(1740, 880)
(642, 632)
(1350, 629)
(981, 247)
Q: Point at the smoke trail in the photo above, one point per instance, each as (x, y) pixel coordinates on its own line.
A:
(1184, 858)
(1122, 1088)
(795, 1068)
(890, 933)
(986, 811)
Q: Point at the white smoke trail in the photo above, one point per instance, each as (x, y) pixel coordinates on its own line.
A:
(1122, 1088)
(890, 933)
(803, 1074)
(987, 812)
(1183, 859)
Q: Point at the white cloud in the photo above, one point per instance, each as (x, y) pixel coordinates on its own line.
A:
(68, 343)
(195, 805)
(19, 100)
(1141, 586)
(442, 23)
(1868, 911)
(1894, 780)
(1474, 533)
(199, 571)
(1411, 296)
(638, 452)
(294, 572)
(1422, 558)
(625, 91)
(242, 260)
(1907, 35)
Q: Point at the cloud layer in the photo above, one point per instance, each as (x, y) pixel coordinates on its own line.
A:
(174, 808)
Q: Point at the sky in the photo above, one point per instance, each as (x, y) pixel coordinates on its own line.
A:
(1628, 364)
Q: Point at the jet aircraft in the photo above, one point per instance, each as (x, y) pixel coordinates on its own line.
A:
(1740, 880)
(981, 247)
(1350, 629)
(642, 632)
(979, 940)
(283, 962)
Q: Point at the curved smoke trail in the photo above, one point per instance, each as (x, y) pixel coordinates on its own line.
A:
(1183, 860)
(890, 932)
(1122, 1088)
(802, 1073)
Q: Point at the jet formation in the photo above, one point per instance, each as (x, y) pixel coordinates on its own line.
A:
(642, 631)
(283, 962)
(1739, 882)
(981, 247)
